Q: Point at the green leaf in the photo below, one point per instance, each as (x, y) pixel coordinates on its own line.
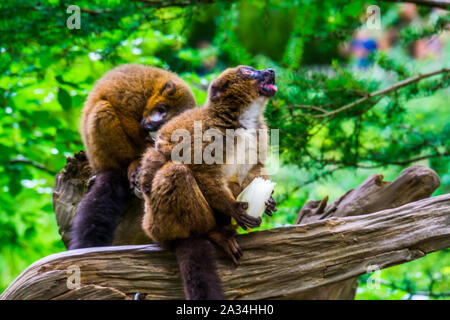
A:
(64, 99)
(14, 182)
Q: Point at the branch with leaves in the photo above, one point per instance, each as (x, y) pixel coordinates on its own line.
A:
(326, 114)
(443, 4)
(173, 3)
(32, 163)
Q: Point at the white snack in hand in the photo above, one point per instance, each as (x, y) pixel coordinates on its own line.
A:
(256, 194)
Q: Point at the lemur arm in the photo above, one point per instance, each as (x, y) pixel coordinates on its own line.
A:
(142, 172)
(222, 201)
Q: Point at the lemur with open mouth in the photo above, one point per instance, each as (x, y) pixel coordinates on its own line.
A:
(186, 204)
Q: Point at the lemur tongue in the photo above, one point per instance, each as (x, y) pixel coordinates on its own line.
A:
(272, 87)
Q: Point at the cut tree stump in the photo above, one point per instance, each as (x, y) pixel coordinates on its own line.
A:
(280, 263)
(71, 183)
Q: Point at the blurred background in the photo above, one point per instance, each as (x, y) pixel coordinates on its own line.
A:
(326, 54)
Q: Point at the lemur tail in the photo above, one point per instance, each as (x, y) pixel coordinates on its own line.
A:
(196, 259)
(99, 210)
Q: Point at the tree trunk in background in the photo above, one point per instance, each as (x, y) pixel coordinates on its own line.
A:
(373, 195)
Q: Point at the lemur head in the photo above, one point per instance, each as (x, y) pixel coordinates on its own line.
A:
(170, 97)
(242, 85)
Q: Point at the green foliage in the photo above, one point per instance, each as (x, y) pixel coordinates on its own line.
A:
(47, 70)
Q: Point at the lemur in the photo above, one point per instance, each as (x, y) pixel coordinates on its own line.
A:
(188, 205)
(125, 105)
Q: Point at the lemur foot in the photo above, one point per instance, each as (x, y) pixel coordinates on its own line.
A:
(146, 186)
(229, 244)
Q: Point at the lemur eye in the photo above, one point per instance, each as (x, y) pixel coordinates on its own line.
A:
(162, 108)
(248, 72)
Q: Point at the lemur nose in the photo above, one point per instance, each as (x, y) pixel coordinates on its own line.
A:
(150, 126)
(268, 74)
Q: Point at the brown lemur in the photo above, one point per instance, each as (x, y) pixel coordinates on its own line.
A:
(188, 205)
(125, 105)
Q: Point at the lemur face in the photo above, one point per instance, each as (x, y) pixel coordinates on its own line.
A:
(171, 99)
(243, 85)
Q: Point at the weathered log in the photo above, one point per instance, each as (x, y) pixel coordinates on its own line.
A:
(70, 186)
(277, 263)
(374, 194)
(415, 183)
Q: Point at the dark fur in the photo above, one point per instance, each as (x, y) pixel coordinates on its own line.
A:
(196, 259)
(99, 210)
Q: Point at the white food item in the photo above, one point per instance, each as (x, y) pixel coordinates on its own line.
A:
(256, 194)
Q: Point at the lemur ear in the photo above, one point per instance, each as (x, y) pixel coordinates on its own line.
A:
(168, 88)
(217, 89)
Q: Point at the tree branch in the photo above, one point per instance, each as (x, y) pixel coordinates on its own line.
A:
(443, 4)
(369, 96)
(173, 3)
(278, 263)
(373, 195)
(405, 162)
(32, 163)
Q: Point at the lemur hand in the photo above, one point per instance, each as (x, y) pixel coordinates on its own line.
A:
(243, 219)
(271, 206)
(133, 174)
(133, 178)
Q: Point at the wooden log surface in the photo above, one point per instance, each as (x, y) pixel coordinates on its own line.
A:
(374, 194)
(277, 263)
(414, 183)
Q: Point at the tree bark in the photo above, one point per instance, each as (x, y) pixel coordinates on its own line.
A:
(374, 194)
(414, 183)
(280, 263)
(70, 186)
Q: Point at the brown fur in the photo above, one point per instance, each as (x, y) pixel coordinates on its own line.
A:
(111, 121)
(117, 116)
(198, 200)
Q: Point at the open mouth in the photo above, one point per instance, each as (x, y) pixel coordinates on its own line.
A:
(268, 88)
(267, 83)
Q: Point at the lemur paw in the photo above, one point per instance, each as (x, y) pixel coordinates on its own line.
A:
(146, 188)
(243, 219)
(229, 244)
(133, 174)
(234, 251)
(271, 206)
